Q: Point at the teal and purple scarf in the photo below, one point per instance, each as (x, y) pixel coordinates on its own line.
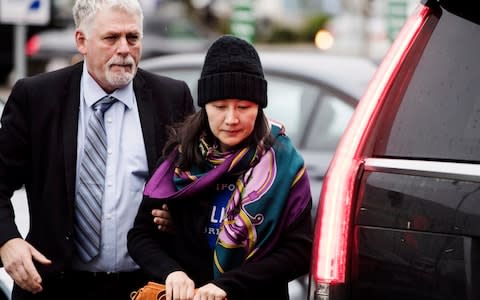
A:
(272, 190)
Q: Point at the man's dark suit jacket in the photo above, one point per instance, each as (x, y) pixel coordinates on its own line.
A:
(38, 149)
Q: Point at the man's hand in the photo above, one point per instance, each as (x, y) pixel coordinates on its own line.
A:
(162, 218)
(17, 256)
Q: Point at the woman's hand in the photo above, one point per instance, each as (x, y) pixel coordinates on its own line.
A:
(179, 286)
(163, 219)
(210, 292)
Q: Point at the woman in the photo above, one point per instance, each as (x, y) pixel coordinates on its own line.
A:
(236, 189)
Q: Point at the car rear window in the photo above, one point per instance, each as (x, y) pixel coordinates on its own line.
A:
(438, 114)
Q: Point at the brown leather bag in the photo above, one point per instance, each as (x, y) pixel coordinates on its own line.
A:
(151, 291)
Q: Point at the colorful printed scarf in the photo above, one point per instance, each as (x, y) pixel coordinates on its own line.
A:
(272, 190)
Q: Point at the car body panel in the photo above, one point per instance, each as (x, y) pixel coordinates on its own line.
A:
(405, 264)
(345, 75)
(400, 200)
(433, 251)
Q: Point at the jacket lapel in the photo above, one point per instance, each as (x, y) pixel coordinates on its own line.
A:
(70, 113)
(146, 112)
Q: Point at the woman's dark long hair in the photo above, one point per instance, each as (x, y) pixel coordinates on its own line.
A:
(188, 133)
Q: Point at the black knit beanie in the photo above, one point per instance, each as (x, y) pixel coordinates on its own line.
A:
(232, 70)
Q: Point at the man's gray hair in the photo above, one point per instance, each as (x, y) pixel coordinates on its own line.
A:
(84, 11)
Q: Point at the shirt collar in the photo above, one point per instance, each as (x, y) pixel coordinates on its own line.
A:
(92, 92)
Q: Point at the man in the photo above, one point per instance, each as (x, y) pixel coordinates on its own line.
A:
(83, 140)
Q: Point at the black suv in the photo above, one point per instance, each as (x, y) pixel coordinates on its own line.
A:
(399, 213)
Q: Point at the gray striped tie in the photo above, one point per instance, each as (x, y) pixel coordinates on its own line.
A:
(88, 206)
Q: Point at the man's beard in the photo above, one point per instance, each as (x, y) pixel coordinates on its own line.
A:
(120, 79)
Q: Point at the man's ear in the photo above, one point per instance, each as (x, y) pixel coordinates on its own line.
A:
(80, 41)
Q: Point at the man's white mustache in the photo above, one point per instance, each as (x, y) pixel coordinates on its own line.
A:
(122, 61)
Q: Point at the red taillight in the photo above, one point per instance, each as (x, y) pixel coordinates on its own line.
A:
(32, 45)
(334, 213)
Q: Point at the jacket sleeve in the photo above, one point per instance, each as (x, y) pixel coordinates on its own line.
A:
(148, 246)
(289, 259)
(14, 162)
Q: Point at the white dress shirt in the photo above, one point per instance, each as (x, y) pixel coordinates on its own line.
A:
(126, 173)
